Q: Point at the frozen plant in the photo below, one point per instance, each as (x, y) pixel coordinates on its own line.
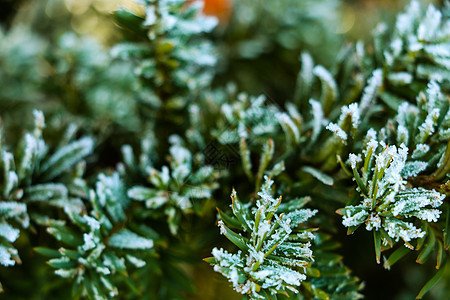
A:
(274, 250)
(387, 204)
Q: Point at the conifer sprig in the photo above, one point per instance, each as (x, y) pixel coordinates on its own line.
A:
(274, 253)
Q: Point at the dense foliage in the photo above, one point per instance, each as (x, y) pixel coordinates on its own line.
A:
(117, 157)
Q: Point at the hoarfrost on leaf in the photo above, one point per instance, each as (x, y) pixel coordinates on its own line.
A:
(126, 239)
(370, 91)
(6, 256)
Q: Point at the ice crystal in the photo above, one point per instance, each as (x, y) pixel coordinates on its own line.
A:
(351, 111)
(338, 131)
(370, 91)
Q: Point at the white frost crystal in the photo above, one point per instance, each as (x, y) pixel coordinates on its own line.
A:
(354, 220)
(429, 215)
(397, 229)
(90, 241)
(373, 222)
(351, 111)
(354, 159)
(370, 91)
(337, 131)
(6, 256)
